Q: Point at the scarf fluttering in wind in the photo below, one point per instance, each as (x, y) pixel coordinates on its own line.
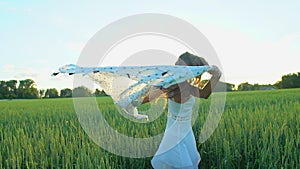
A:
(128, 85)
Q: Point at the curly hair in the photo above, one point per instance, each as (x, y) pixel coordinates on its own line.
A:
(188, 59)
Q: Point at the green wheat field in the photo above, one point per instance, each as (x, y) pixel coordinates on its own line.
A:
(258, 129)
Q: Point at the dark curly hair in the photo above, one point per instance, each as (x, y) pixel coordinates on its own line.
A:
(188, 59)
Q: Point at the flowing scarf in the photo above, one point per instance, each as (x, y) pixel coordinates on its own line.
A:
(128, 85)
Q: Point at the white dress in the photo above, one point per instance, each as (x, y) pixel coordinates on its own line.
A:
(178, 147)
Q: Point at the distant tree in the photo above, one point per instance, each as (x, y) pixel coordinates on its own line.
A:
(51, 93)
(3, 90)
(27, 89)
(256, 86)
(42, 93)
(266, 87)
(11, 89)
(289, 81)
(245, 86)
(66, 92)
(98, 93)
(81, 91)
(223, 86)
(230, 87)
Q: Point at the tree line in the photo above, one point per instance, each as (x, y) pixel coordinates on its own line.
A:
(291, 80)
(26, 89)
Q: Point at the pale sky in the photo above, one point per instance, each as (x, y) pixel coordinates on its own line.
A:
(256, 41)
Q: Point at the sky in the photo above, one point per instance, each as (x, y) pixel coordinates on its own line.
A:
(256, 41)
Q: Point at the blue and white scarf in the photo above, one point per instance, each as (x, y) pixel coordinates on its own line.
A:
(128, 85)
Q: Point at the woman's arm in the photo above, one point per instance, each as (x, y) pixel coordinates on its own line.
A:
(206, 91)
(152, 95)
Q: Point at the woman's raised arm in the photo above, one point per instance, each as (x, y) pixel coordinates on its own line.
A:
(152, 95)
(206, 91)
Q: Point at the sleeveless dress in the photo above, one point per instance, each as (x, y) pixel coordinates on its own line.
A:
(178, 146)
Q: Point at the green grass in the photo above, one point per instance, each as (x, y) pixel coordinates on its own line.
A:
(259, 129)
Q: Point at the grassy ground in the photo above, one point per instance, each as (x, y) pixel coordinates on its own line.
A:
(259, 129)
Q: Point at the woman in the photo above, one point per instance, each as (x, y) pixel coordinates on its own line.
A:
(178, 147)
